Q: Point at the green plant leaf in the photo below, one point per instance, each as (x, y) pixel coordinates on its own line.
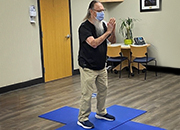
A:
(126, 27)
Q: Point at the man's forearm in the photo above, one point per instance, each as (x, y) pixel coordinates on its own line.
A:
(112, 38)
(96, 42)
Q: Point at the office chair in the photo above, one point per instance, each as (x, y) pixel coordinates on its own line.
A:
(140, 55)
(114, 55)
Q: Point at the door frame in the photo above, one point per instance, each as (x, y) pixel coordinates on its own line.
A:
(41, 36)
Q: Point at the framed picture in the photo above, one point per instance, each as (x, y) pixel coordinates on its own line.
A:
(150, 5)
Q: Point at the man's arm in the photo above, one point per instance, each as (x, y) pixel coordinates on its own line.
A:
(96, 42)
(112, 38)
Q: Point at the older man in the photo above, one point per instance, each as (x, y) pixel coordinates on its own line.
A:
(93, 35)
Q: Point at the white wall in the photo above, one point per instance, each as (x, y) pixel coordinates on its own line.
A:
(78, 12)
(161, 28)
(20, 59)
(20, 56)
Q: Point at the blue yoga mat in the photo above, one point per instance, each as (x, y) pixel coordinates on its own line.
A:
(130, 125)
(136, 126)
(63, 115)
(69, 115)
(123, 114)
(74, 126)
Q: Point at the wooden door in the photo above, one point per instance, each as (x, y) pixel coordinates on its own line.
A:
(56, 46)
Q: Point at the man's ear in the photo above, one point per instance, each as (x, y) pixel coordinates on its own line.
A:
(91, 11)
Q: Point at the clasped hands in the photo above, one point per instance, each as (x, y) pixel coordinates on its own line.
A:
(111, 25)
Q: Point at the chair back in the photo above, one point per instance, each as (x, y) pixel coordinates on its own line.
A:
(113, 51)
(138, 51)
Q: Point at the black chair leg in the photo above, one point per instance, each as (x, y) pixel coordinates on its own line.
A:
(145, 72)
(112, 64)
(129, 69)
(155, 68)
(120, 70)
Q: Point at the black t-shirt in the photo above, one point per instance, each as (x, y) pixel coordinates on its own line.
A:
(89, 57)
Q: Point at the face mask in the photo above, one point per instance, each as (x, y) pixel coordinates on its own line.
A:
(100, 15)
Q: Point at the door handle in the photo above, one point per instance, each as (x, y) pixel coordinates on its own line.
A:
(68, 36)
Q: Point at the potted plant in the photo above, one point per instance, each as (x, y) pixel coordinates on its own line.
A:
(126, 30)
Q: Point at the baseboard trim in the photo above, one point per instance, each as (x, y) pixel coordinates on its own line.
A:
(76, 72)
(151, 68)
(164, 69)
(41, 80)
(21, 85)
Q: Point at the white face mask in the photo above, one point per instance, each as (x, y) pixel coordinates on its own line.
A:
(100, 15)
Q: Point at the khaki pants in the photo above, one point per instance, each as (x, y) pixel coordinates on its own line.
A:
(88, 79)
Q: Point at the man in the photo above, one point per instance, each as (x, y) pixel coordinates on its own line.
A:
(93, 35)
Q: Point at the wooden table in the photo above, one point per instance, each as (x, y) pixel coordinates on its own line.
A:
(126, 52)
